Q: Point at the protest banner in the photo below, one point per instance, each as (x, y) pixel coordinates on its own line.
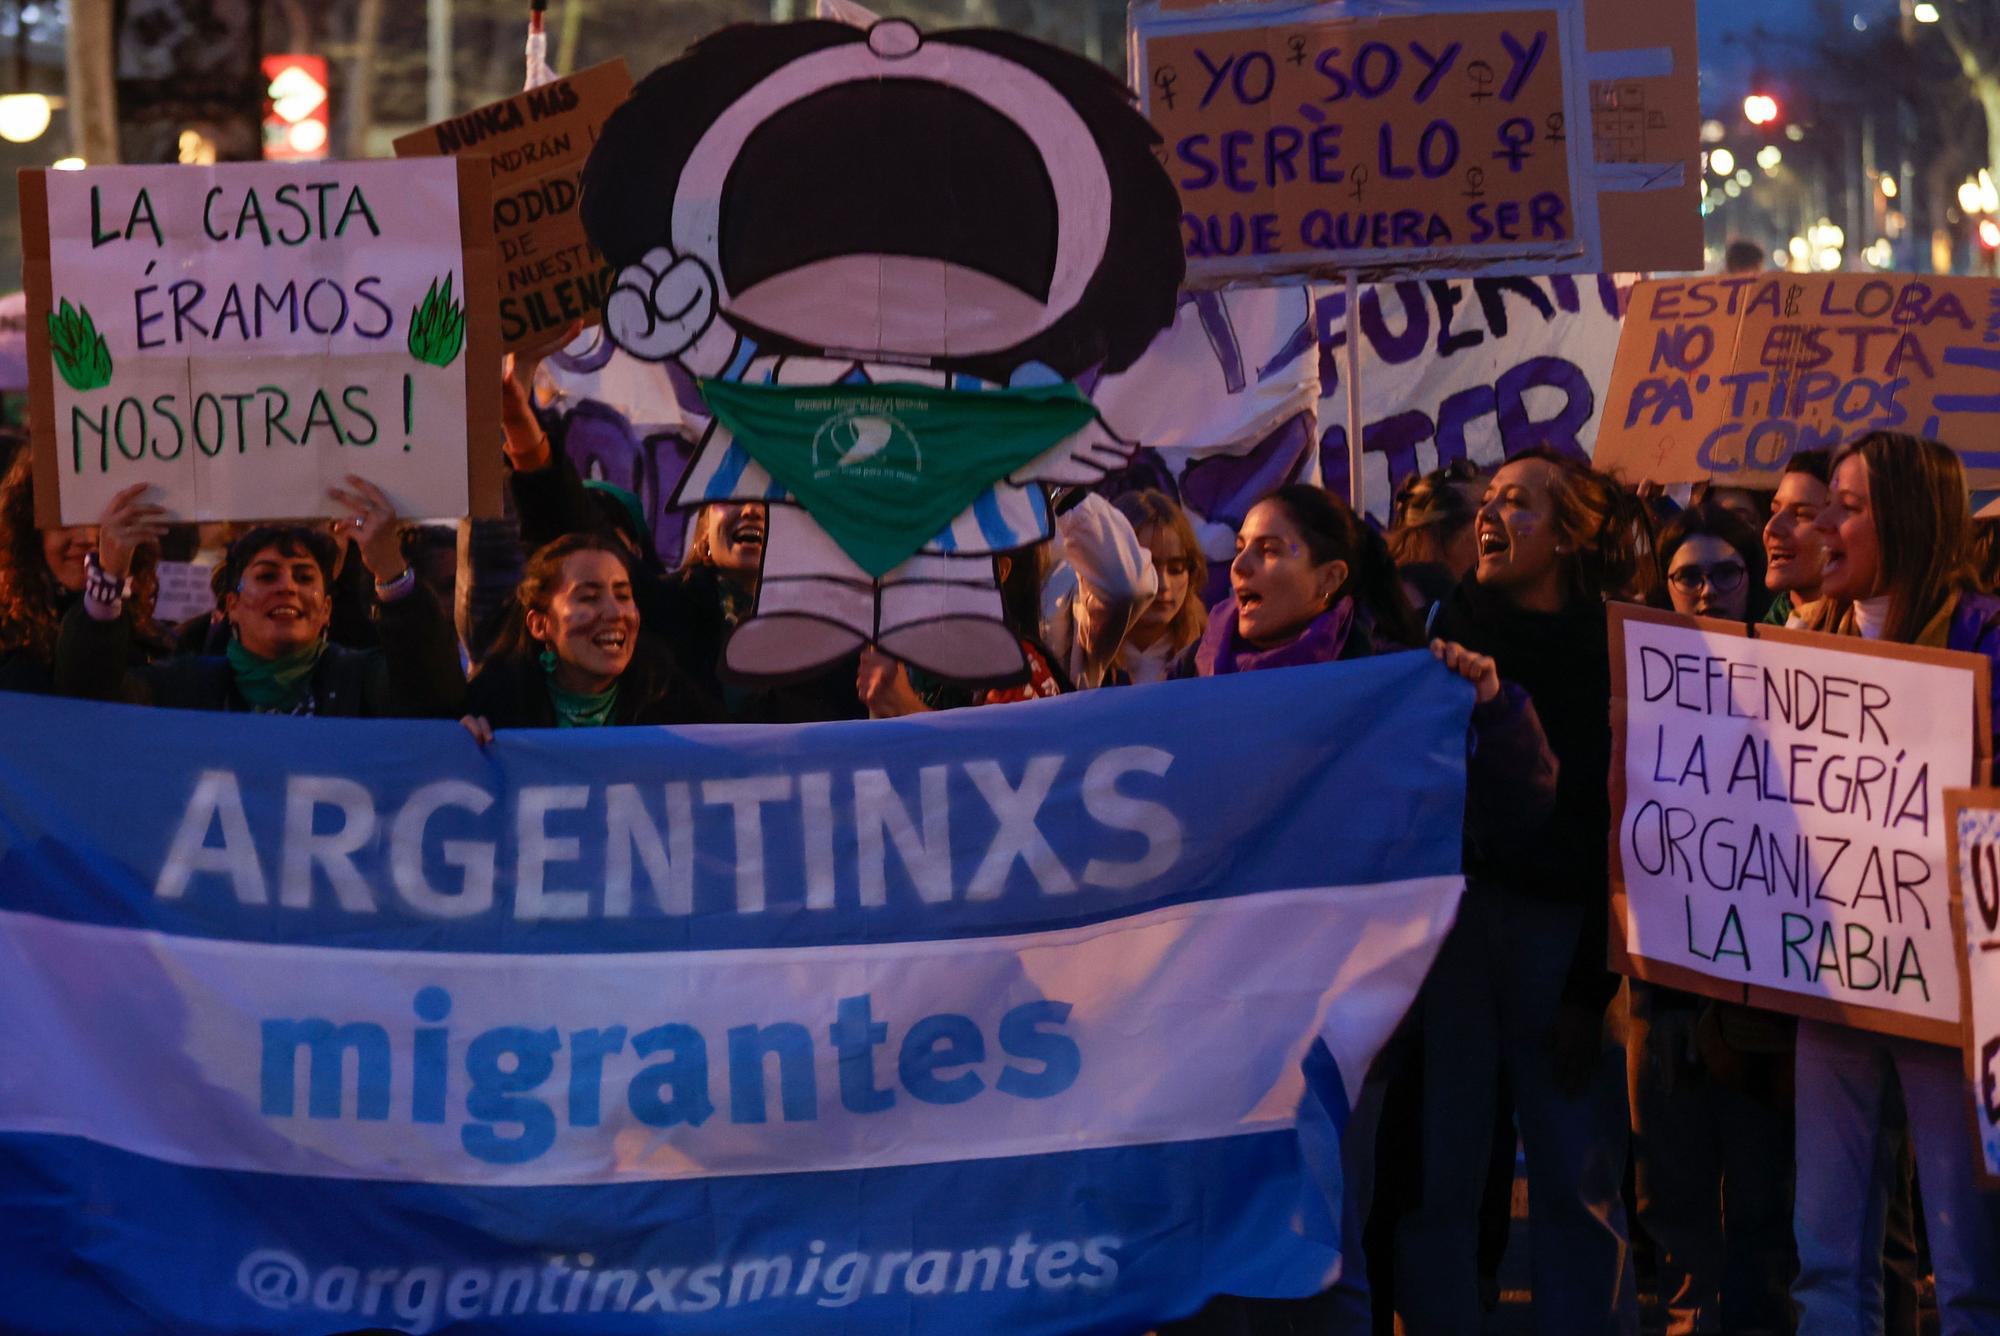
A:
(1973, 818)
(1781, 835)
(537, 140)
(1039, 1020)
(243, 336)
(1475, 369)
(1724, 377)
(1439, 137)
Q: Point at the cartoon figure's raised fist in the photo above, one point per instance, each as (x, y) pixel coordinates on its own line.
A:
(661, 306)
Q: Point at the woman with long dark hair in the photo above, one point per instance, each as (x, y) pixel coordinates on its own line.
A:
(1313, 583)
(1712, 565)
(1898, 536)
(1518, 997)
(574, 656)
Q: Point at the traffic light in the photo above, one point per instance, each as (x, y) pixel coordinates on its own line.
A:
(1989, 234)
(295, 112)
(1760, 109)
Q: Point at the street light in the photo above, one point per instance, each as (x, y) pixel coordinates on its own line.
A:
(1769, 156)
(1722, 162)
(1889, 187)
(23, 117)
(1760, 109)
(1989, 234)
(1925, 12)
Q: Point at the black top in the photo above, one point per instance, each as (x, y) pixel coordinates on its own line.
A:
(415, 674)
(511, 691)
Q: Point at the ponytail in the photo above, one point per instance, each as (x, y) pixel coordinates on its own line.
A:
(1333, 532)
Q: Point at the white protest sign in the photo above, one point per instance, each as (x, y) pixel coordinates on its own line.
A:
(244, 336)
(185, 592)
(1477, 369)
(1781, 835)
(1975, 829)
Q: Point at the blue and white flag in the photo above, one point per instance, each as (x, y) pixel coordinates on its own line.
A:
(1033, 1019)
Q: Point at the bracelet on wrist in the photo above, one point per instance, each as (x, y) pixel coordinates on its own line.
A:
(389, 590)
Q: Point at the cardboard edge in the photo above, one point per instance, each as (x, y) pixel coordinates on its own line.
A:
(38, 280)
(1956, 801)
(485, 478)
(1618, 956)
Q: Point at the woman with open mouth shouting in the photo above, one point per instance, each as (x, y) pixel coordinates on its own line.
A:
(1519, 992)
(1898, 536)
(278, 603)
(1311, 583)
(573, 655)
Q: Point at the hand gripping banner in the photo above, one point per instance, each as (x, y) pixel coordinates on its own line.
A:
(1042, 1019)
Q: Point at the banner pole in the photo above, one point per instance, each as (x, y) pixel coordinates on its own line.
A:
(1355, 488)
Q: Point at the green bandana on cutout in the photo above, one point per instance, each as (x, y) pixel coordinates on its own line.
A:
(885, 468)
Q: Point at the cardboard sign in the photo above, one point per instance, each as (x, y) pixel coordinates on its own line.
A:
(1781, 834)
(537, 141)
(1725, 377)
(244, 336)
(1440, 137)
(1973, 818)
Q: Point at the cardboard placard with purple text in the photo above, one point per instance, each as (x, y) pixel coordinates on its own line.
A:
(1453, 137)
(536, 142)
(1725, 377)
(1782, 837)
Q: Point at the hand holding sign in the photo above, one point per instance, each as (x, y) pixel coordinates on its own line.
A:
(128, 524)
(373, 528)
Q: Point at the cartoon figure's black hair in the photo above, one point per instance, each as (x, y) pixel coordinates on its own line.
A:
(631, 177)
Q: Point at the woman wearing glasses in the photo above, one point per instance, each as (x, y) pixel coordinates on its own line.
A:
(1710, 1082)
(1714, 564)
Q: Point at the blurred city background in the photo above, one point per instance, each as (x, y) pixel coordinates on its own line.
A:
(1839, 134)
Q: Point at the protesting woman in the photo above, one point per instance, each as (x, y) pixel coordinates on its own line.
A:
(42, 577)
(1312, 583)
(276, 584)
(1162, 642)
(1714, 565)
(1792, 547)
(1519, 993)
(1710, 1082)
(1898, 537)
(575, 656)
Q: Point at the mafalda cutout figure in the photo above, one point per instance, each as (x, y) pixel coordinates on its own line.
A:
(887, 258)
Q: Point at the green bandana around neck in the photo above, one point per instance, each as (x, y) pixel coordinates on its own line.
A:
(273, 686)
(573, 709)
(885, 468)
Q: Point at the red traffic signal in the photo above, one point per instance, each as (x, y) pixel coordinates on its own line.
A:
(1760, 109)
(1989, 234)
(295, 112)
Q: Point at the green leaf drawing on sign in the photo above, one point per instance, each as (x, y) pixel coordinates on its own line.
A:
(80, 352)
(437, 326)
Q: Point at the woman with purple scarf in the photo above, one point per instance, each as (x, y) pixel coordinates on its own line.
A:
(1311, 583)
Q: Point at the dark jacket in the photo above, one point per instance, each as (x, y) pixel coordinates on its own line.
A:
(511, 691)
(1563, 661)
(415, 674)
(689, 611)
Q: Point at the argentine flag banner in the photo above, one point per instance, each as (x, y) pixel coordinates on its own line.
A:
(1043, 1018)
